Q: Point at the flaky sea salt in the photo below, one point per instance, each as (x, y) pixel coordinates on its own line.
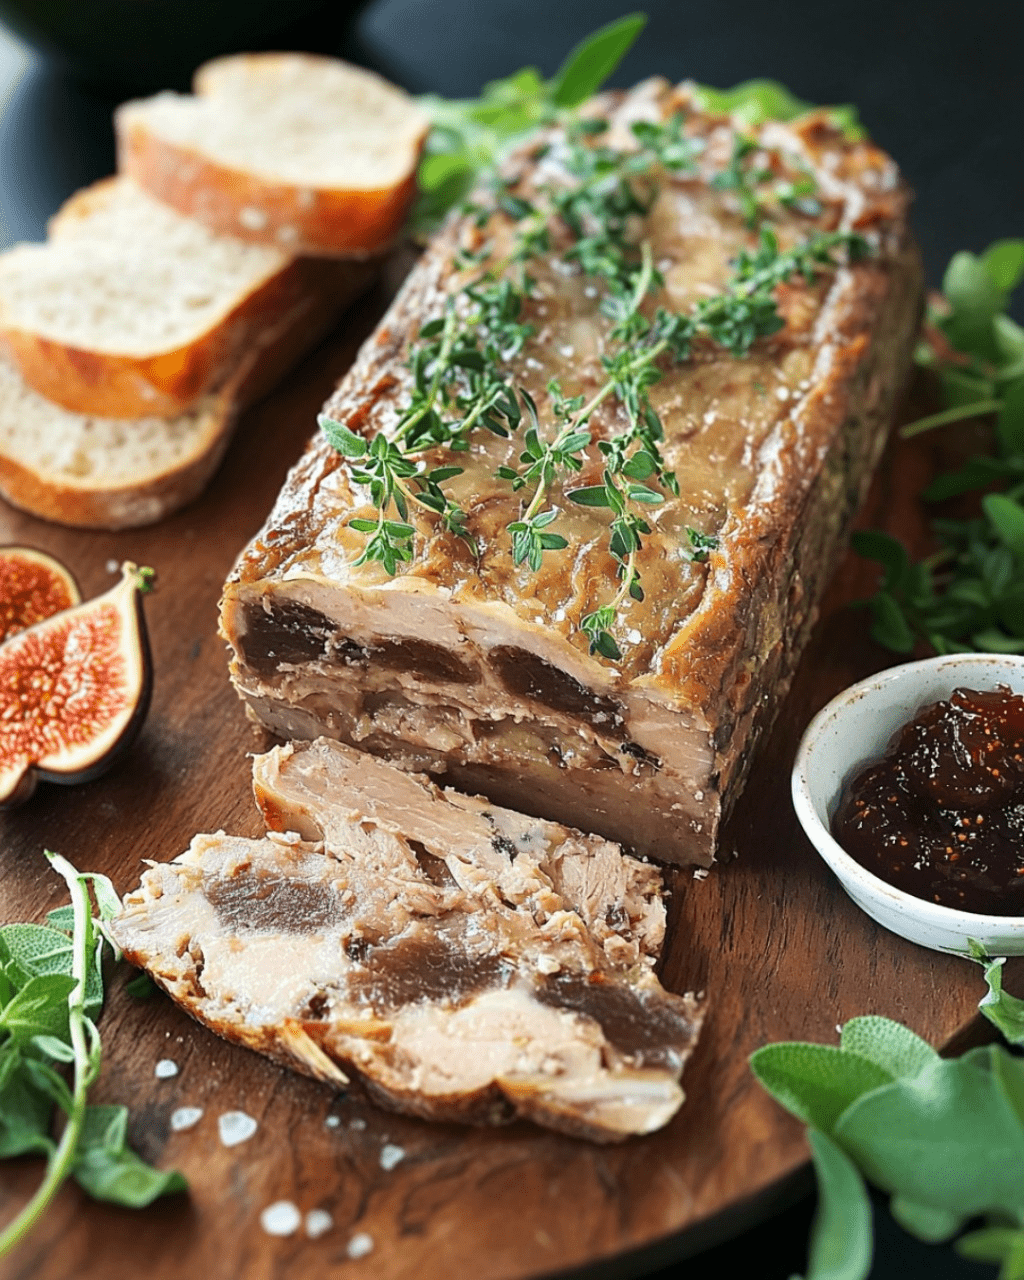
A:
(185, 1118)
(332, 1122)
(360, 1245)
(318, 1223)
(236, 1127)
(282, 1218)
(165, 1069)
(390, 1155)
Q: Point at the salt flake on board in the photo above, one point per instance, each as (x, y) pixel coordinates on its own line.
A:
(318, 1223)
(390, 1155)
(360, 1245)
(185, 1118)
(282, 1218)
(236, 1127)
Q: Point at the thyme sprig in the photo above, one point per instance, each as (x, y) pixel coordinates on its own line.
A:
(592, 218)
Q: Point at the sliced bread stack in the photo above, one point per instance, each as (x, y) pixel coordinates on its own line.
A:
(133, 336)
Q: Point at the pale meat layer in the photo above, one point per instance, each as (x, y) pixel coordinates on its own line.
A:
(467, 962)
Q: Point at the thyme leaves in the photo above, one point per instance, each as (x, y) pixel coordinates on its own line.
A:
(591, 220)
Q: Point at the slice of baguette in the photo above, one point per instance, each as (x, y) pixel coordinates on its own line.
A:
(101, 472)
(131, 310)
(294, 150)
(104, 473)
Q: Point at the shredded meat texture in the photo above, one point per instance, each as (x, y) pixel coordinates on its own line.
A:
(475, 669)
(467, 962)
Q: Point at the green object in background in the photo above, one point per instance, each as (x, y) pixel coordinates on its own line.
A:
(944, 1137)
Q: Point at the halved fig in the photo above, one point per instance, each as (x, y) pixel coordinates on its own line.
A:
(33, 586)
(74, 690)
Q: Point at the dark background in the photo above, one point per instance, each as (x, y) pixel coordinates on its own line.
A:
(939, 85)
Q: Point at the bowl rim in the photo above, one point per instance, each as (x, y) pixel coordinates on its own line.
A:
(843, 864)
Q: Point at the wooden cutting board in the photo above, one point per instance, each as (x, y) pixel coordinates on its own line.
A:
(770, 937)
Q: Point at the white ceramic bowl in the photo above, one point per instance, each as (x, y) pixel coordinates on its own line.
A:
(855, 728)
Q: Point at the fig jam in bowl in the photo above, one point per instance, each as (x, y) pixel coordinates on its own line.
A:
(919, 811)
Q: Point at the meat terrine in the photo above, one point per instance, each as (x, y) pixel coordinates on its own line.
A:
(469, 666)
(466, 962)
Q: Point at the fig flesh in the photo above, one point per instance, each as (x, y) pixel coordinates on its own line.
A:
(33, 586)
(74, 690)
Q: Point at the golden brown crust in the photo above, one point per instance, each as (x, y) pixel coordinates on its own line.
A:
(272, 351)
(232, 202)
(124, 505)
(110, 385)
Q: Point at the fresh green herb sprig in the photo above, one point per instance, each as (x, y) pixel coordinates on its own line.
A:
(943, 1137)
(755, 102)
(469, 137)
(969, 594)
(757, 188)
(51, 991)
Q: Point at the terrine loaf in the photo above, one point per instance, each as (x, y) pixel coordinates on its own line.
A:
(467, 962)
(562, 539)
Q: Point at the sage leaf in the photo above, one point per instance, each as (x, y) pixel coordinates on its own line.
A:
(62, 918)
(816, 1082)
(890, 553)
(124, 1178)
(590, 64)
(24, 1115)
(109, 1170)
(840, 1246)
(58, 1050)
(35, 950)
(925, 1221)
(1003, 1245)
(950, 1138)
(889, 1045)
(889, 624)
(141, 987)
(108, 902)
(48, 1082)
(104, 1126)
(1004, 262)
(1007, 518)
(753, 102)
(39, 1008)
(1004, 1011)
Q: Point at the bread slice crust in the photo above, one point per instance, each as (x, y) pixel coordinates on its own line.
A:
(112, 494)
(170, 379)
(253, 203)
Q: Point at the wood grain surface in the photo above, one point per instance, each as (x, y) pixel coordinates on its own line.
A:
(769, 935)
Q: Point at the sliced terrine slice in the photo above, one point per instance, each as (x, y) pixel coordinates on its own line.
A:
(467, 962)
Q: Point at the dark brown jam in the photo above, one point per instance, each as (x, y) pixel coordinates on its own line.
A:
(941, 816)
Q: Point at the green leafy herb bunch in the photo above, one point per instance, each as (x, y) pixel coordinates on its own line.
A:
(969, 593)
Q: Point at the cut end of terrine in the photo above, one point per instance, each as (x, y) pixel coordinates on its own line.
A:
(466, 962)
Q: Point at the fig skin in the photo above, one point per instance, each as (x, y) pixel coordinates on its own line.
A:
(72, 760)
(33, 586)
